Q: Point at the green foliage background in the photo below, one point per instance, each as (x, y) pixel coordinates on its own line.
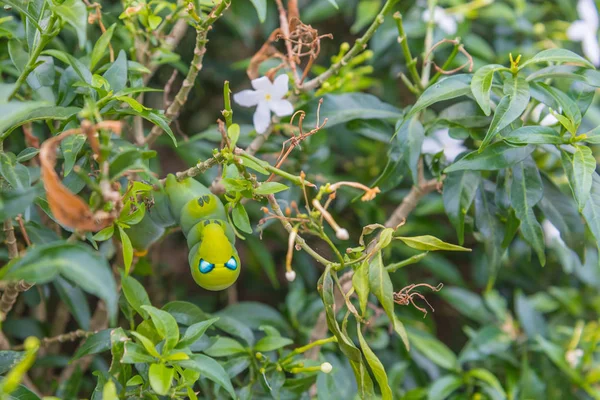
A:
(517, 317)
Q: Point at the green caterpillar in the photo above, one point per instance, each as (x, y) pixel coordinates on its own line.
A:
(213, 258)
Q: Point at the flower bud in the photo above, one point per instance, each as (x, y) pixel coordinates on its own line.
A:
(342, 234)
(326, 367)
(290, 276)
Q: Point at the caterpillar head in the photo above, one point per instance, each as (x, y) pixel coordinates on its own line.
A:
(214, 263)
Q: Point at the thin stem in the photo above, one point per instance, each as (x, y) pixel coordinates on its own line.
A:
(411, 63)
(299, 240)
(45, 38)
(447, 64)
(359, 46)
(227, 112)
(174, 108)
(428, 44)
(195, 170)
(292, 178)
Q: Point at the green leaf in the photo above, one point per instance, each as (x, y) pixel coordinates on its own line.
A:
(22, 7)
(446, 89)
(584, 165)
(557, 355)
(334, 3)
(9, 358)
(194, 332)
(381, 286)
(342, 108)
(557, 99)
(166, 326)
(210, 369)
(133, 353)
(591, 211)
(15, 114)
(70, 148)
(270, 343)
(325, 287)
(429, 243)
(97, 343)
(74, 12)
(526, 192)
(135, 294)
(534, 135)
(233, 133)
(14, 173)
(27, 154)
(443, 387)
(17, 53)
(490, 379)
(161, 378)
(556, 56)
(116, 74)
(360, 283)
(589, 76)
(592, 136)
(497, 156)
(127, 249)
(481, 85)
(270, 188)
(459, 192)
(376, 366)
(73, 261)
(135, 381)
(511, 106)
(433, 349)
(155, 118)
(240, 218)
(467, 303)
(261, 9)
(101, 46)
(147, 344)
(531, 320)
(75, 300)
(109, 391)
(225, 347)
(104, 234)
(411, 135)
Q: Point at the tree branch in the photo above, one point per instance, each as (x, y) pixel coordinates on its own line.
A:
(174, 108)
(409, 203)
(359, 46)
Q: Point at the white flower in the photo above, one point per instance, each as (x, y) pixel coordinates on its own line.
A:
(446, 22)
(585, 30)
(573, 357)
(548, 120)
(441, 140)
(551, 234)
(326, 367)
(267, 96)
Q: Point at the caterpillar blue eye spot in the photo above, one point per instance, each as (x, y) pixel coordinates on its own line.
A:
(231, 264)
(205, 267)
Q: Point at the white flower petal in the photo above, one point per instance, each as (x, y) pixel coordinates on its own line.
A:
(549, 120)
(551, 234)
(431, 146)
(577, 31)
(280, 87)
(536, 113)
(263, 83)
(247, 98)
(262, 117)
(589, 13)
(448, 24)
(281, 108)
(591, 48)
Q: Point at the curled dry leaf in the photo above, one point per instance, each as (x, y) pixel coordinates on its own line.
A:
(69, 209)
